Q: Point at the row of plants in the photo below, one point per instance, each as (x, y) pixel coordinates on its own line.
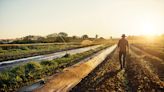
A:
(31, 50)
(31, 46)
(140, 75)
(153, 50)
(156, 65)
(29, 73)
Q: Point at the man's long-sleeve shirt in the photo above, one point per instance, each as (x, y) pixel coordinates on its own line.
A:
(122, 44)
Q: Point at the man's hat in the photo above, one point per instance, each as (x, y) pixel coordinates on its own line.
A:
(123, 35)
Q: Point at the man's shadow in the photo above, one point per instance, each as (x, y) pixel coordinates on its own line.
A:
(106, 76)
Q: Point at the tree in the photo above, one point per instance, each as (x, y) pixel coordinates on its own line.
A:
(63, 34)
(111, 37)
(85, 36)
(74, 37)
(96, 36)
(29, 37)
(41, 39)
(101, 38)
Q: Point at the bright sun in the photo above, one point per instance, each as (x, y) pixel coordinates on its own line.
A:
(148, 30)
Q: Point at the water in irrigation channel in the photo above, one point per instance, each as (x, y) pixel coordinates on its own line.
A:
(12, 63)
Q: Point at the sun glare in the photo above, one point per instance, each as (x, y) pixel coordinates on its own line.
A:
(148, 30)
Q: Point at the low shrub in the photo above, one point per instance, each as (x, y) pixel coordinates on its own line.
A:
(48, 63)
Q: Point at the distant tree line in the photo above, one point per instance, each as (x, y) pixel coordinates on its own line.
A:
(51, 38)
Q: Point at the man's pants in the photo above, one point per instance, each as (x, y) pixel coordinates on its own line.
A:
(122, 56)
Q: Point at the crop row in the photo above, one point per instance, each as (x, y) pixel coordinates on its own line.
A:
(153, 50)
(140, 75)
(154, 63)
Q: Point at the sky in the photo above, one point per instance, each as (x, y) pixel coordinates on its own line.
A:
(106, 18)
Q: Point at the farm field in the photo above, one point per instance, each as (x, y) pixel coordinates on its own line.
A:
(33, 71)
(12, 63)
(155, 49)
(16, 51)
(81, 45)
(143, 73)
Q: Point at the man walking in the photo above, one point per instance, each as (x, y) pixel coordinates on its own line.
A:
(122, 45)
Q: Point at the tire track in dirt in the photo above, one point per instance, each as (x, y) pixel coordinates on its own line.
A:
(107, 77)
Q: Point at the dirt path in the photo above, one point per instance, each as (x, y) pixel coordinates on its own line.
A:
(107, 77)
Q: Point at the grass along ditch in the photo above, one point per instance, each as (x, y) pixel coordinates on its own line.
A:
(29, 73)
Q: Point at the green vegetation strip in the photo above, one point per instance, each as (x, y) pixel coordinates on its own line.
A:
(28, 73)
(11, 52)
